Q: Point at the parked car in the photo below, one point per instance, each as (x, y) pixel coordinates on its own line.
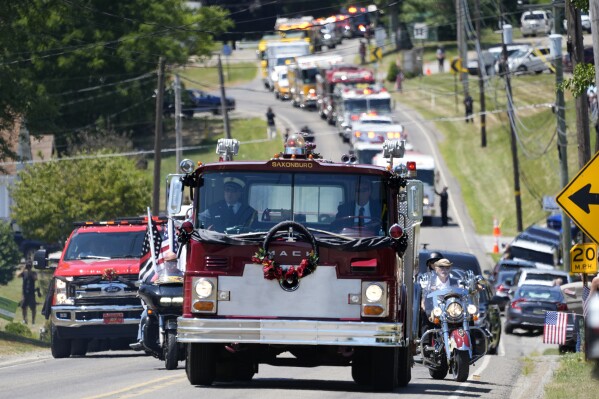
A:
(555, 222)
(573, 294)
(529, 304)
(539, 277)
(543, 235)
(588, 57)
(535, 60)
(535, 22)
(489, 315)
(504, 265)
(194, 100)
(585, 22)
(543, 255)
(502, 288)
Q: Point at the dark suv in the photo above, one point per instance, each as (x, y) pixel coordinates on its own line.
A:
(194, 100)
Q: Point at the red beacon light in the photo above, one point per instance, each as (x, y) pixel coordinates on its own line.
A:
(411, 166)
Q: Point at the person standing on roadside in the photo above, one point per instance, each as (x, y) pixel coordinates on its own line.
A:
(444, 195)
(362, 51)
(28, 291)
(468, 102)
(441, 58)
(270, 123)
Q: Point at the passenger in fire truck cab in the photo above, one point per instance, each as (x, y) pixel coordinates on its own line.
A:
(230, 211)
(360, 211)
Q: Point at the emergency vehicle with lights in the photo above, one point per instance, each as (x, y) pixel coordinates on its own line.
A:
(281, 82)
(93, 292)
(283, 53)
(360, 19)
(307, 26)
(327, 81)
(351, 103)
(302, 277)
(369, 132)
(302, 77)
(263, 45)
(427, 173)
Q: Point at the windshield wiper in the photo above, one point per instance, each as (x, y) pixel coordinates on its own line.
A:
(94, 257)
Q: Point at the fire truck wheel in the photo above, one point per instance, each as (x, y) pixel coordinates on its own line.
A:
(404, 374)
(201, 364)
(79, 347)
(171, 351)
(361, 368)
(61, 348)
(384, 368)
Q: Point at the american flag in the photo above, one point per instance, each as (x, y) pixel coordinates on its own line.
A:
(554, 331)
(148, 264)
(586, 291)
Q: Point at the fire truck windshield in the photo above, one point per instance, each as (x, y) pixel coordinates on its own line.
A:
(329, 203)
(355, 106)
(105, 245)
(380, 105)
(309, 75)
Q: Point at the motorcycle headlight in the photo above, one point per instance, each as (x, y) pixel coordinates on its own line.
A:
(436, 312)
(204, 288)
(454, 309)
(374, 293)
(472, 309)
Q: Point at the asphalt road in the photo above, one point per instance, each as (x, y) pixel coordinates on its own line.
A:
(127, 374)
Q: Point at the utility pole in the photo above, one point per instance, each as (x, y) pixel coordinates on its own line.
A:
(223, 99)
(562, 140)
(481, 82)
(462, 48)
(178, 114)
(594, 15)
(575, 47)
(514, 147)
(158, 137)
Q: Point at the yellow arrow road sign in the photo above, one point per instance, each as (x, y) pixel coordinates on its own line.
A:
(456, 66)
(376, 54)
(580, 199)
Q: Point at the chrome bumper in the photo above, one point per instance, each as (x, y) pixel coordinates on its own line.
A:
(78, 316)
(289, 332)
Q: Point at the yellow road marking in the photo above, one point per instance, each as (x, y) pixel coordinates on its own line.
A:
(150, 385)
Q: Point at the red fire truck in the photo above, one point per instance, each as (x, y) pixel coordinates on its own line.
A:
(92, 298)
(307, 273)
(326, 80)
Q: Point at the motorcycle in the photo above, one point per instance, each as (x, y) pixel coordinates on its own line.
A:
(454, 343)
(164, 299)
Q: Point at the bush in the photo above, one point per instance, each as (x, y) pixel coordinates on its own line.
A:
(10, 256)
(392, 72)
(19, 329)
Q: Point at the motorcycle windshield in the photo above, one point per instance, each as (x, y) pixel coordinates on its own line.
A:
(168, 273)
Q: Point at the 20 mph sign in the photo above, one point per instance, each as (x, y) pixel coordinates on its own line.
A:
(580, 199)
(583, 259)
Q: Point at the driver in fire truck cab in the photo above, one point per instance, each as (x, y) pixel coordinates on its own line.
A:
(360, 211)
(231, 210)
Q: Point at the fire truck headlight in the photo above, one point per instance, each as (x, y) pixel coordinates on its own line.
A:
(204, 288)
(374, 293)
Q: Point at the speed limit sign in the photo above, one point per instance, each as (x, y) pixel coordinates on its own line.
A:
(583, 258)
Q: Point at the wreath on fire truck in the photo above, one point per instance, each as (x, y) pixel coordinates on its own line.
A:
(288, 278)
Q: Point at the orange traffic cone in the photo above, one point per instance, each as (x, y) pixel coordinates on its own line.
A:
(496, 228)
(496, 246)
(428, 71)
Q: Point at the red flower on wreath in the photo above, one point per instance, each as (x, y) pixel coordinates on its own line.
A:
(109, 274)
(272, 271)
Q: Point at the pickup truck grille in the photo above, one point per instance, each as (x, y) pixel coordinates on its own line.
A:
(92, 291)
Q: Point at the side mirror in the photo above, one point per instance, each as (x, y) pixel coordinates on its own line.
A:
(40, 259)
(175, 193)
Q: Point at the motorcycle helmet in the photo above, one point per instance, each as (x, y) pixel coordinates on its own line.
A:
(432, 258)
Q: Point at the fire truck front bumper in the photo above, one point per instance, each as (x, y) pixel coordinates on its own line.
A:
(290, 332)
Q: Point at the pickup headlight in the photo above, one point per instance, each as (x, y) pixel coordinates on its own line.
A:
(61, 293)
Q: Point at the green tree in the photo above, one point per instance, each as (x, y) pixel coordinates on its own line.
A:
(9, 253)
(48, 197)
(68, 66)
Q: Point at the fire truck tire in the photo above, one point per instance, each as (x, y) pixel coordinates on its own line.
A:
(404, 372)
(201, 364)
(79, 347)
(384, 368)
(171, 350)
(60, 347)
(361, 370)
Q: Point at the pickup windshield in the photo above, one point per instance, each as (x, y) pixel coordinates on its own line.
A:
(350, 205)
(117, 245)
